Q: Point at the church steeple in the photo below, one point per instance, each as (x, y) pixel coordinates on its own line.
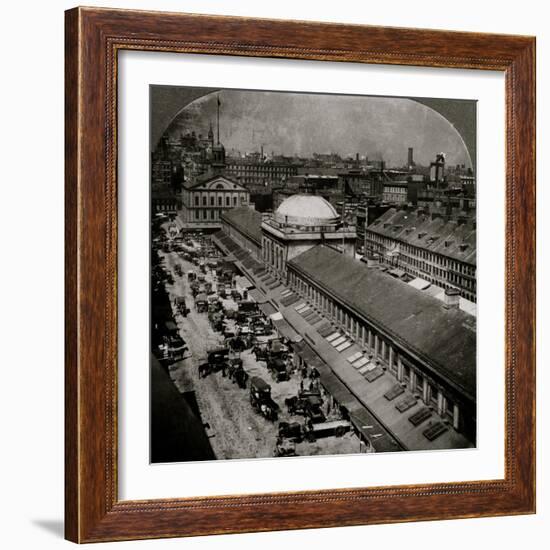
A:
(211, 134)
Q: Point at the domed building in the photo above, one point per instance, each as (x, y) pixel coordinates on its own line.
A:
(300, 223)
(306, 211)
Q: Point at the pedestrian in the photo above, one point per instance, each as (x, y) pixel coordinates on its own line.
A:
(301, 385)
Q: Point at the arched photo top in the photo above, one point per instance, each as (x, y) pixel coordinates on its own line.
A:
(300, 123)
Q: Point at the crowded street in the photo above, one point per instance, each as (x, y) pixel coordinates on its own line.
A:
(235, 428)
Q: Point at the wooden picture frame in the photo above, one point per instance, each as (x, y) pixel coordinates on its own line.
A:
(93, 39)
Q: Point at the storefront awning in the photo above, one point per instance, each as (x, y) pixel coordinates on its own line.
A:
(257, 295)
(284, 329)
(243, 282)
(420, 284)
(397, 272)
(267, 309)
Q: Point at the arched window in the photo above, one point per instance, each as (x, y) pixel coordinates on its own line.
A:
(226, 201)
(219, 200)
(211, 201)
(196, 200)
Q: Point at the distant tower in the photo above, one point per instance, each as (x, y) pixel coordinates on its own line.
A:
(211, 134)
(218, 102)
(410, 162)
(437, 169)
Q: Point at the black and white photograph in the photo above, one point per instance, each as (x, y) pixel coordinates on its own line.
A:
(312, 274)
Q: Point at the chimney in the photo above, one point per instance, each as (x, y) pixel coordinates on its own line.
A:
(451, 298)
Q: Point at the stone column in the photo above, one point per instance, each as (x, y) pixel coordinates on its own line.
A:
(375, 346)
(399, 369)
(439, 402)
(412, 380)
(456, 417)
(425, 391)
(391, 358)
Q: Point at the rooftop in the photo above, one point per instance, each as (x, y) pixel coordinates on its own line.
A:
(246, 220)
(416, 227)
(202, 181)
(445, 339)
(306, 210)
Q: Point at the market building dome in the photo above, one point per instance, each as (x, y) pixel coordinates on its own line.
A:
(306, 210)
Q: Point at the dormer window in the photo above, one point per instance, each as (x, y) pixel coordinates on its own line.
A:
(422, 234)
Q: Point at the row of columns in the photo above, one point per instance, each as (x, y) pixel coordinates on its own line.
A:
(380, 349)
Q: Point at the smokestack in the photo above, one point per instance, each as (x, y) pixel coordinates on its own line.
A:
(451, 298)
(410, 157)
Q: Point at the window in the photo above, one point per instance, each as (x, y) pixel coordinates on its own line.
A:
(204, 201)
(226, 201)
(219, 201)
(234, 201)
(196, 200)
(211, 201)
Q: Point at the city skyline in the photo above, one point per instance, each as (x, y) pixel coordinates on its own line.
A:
(302, 124)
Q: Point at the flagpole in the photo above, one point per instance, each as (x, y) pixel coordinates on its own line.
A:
(218, 119)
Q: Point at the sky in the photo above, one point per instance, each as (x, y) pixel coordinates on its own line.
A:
(297, 123)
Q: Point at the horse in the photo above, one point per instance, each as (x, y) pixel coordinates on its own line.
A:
(291, 403)
(241, 376)
(204, 370)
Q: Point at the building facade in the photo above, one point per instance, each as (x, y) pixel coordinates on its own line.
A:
(427, 345)
(396, 192)
(433, 246)
(205, 201)
(300, 223)
(257, 174)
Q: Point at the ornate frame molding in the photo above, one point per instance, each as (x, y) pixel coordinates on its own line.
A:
(93, 39)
